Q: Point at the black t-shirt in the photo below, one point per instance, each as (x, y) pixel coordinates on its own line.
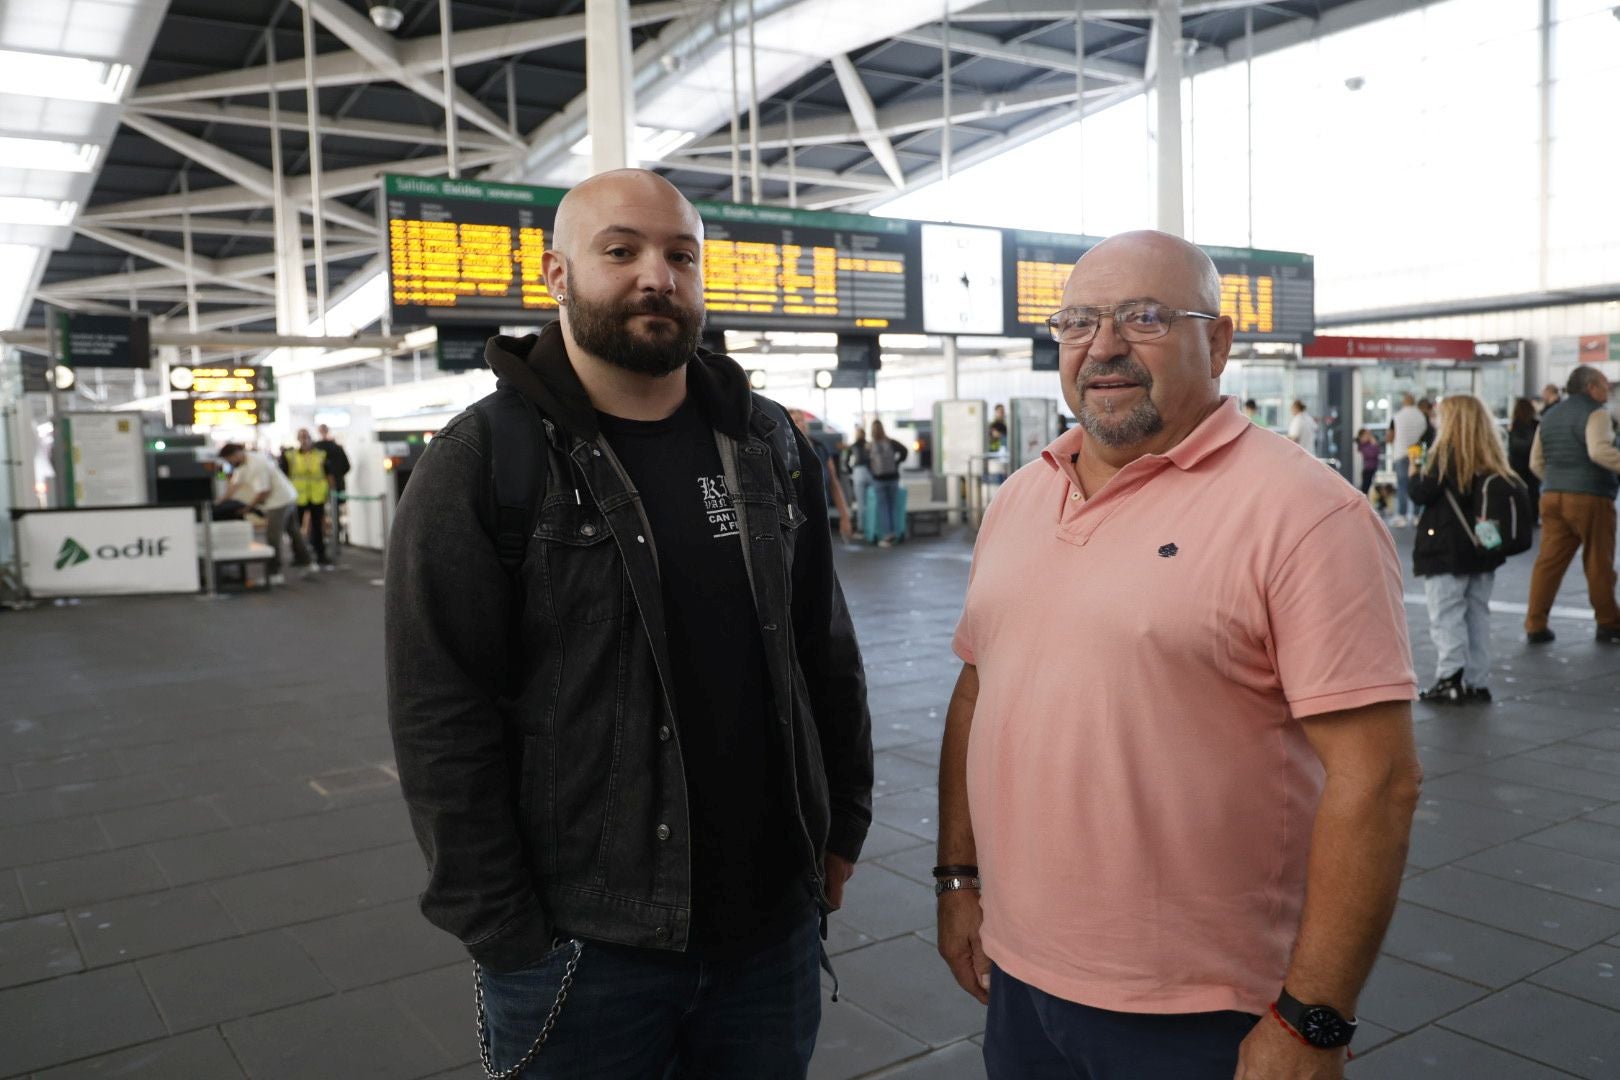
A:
(744, 836)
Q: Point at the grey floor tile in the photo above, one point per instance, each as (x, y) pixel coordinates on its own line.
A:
(906, 983)
(1456, 818)
(1509, 905)
(1497, 793)
(334, 832)
(1436, 1054)
(116, 793)
(1601, 787)
(1431, 848)
(916, 863)
(915, 812)
(882, 840)
(895, 774)
(11, 897)
(72, 769)
(88, 878)
(313, 890)
(1468, 950)
(364, 1035)
(1592, 880)
(841, 937)
(854, 1043)
(44, 1024)
(1585, 756)
(1583, 836)
(883, 904)
(925, 752)
(268, 803)
(1554, 1029)
(208, 856)
(48, 841)
(375, 945)
(1437, 762)
(196, 1055)
(211, 984)
(160, 821)
(1602, 739)
(1593, 974)
(38, 948)
(960, 1061)
(117, 930)
(1404, 997)
(441, 1003)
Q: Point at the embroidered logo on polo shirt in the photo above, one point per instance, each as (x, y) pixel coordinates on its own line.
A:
(1168, 551)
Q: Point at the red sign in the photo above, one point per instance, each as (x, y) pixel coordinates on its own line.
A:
(1378, 348)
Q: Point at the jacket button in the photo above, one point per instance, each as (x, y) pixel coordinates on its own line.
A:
(770, 626)
(661, 934)
(663, 733)
(663, 832)
(641, 539)
(587, 529)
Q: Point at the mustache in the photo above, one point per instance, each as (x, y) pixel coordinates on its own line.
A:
(656, 304)
(1118, 368)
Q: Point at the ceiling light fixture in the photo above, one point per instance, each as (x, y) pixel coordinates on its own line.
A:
(52, 155)
(43, 75)
(22, 210)
(387, 17)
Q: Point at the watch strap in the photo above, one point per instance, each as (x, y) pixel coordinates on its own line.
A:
(1292, 1013)
(956, 883)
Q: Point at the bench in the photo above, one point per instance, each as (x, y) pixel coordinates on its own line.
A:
(233, 545)
(924, 515)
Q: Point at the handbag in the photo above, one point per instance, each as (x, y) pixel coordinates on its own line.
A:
(1484, 534)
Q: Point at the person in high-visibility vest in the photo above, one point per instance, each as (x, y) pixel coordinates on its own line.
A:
(306, 465)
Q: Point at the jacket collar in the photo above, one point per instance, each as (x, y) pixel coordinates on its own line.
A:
(537, 366)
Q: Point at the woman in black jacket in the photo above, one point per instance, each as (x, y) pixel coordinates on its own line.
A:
(1457, 571)
(1521, 439)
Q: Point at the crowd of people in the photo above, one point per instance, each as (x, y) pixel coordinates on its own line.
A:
(290, 496)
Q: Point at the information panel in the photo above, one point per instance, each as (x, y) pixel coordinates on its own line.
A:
(104, 341)
(220, 397)
(461, 250)
(1270, 295)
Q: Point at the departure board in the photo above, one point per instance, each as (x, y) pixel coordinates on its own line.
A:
(469, 251)
(1270, 295)
(766, 268)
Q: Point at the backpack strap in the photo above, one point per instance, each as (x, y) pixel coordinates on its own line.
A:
(515, 437)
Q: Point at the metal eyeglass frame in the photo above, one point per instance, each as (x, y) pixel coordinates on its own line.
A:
(1129, 306)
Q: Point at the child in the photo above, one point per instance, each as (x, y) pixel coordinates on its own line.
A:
(1371, 450)
(1457, 573)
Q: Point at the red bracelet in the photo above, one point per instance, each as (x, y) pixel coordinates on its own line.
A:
(1349, 1055)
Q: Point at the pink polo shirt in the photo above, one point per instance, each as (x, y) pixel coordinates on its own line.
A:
(1141, 789)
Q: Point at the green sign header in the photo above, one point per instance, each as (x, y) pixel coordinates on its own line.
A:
(437, 187)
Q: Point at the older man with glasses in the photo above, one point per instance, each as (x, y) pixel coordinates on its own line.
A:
(1172, 844)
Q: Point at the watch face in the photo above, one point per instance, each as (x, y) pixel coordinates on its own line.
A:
(1323, 1027)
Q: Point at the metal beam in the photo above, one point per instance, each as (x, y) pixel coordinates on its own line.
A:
(210, 340)
(865, 116)
(417, 57)
(348, 127)
(1041, 56)
(220, 320)
(382, 52)
(239, 272)
(864, 182)
(1025, 11)
(207, 226)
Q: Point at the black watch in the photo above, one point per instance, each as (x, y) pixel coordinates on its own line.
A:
(1319, 1025)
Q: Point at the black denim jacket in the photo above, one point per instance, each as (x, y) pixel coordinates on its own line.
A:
(534, 721)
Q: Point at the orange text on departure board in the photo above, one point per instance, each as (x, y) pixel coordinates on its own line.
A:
(437, 263)
(1248, 301)
(1039, 290)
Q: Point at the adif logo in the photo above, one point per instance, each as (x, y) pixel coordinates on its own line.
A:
(71, 554)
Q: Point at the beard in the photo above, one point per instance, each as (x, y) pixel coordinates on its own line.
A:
(1108, 426)
(603, 329)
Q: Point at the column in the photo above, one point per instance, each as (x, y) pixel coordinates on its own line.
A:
(1167, 85)
(609, 97)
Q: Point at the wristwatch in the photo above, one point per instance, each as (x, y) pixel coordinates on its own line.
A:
(1320, 1025)
(952, 884)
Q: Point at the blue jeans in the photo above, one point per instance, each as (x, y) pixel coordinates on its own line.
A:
(1031, 1035)
(1403, 477)
(641, 1014)
(888, 493)
(1460, 624)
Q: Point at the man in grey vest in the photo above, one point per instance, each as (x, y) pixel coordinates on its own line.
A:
(1579, 465)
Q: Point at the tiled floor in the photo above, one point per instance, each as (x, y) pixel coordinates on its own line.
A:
(206, 871)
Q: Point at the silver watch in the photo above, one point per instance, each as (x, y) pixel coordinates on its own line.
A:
(951, 884)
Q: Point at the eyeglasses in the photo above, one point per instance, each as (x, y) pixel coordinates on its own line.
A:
(1135, 320)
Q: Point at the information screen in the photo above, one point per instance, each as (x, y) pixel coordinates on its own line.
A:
(1270, 295)
(219, 396)
(471, 251)
(771, 269)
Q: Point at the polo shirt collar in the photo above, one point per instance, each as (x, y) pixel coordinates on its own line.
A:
(1217, 430)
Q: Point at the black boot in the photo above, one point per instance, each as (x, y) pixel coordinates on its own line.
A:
(1447, 691)
(1476, 695)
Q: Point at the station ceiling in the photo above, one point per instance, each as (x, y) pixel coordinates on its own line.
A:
(863, 95)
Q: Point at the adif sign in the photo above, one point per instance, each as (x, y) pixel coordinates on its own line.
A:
(109, 552)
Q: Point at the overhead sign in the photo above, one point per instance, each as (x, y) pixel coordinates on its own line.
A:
(1402, 349)
(235, 395)
(108, 552)
(469, 250)
(1509, 349)
(1269, 295)
(107, 341)
(461, 348)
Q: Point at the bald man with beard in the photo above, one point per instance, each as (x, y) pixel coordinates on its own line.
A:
(1178, 774)
(639, 764)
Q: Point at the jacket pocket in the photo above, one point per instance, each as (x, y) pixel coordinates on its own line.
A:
(583, 575)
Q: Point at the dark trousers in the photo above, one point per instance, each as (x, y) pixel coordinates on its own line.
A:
(1031, 1035)
(315, 518)
(641, 1014)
